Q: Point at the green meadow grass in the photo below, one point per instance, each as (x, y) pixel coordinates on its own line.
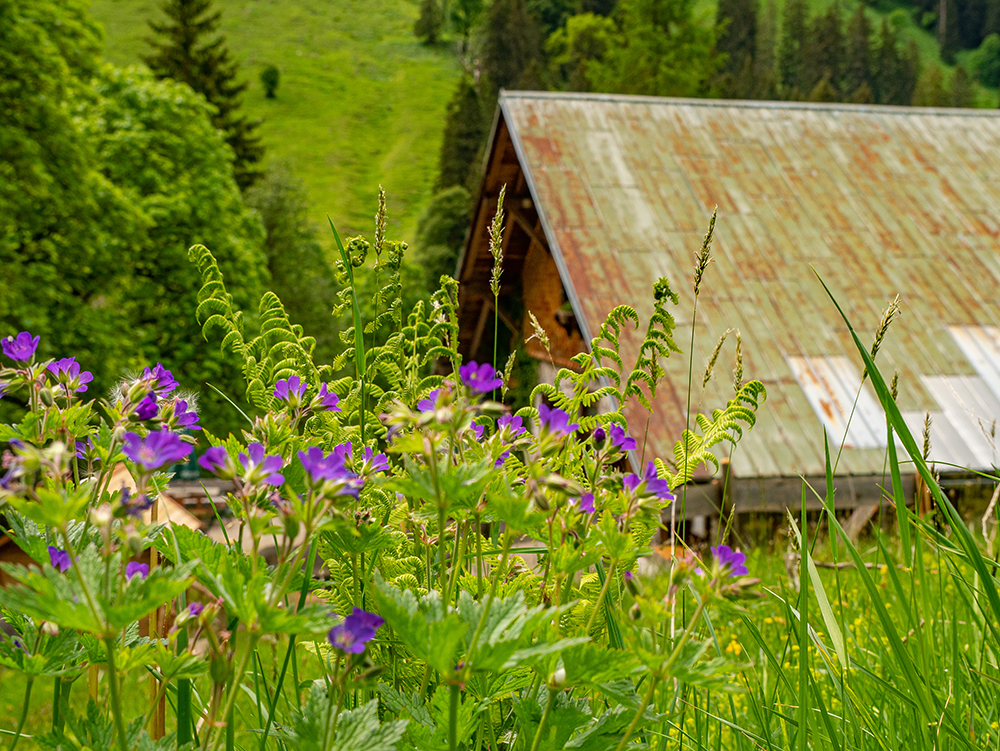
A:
(361, 101)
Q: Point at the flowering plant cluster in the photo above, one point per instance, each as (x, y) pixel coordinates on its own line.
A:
(431, 568)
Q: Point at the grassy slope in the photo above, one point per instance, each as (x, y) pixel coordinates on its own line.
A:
(361, 102)
(909, 31)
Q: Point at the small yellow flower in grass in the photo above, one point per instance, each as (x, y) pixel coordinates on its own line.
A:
(769, 620)
(734, 647)
(995, 725)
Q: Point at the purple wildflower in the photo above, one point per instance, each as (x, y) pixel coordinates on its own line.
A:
(555, 421)
(86, 450)
(585, 503)
(290, 391)
(159, 449)
(620, 440)
(184, 418)
(343, 452)
(510, 425)
(67, 374)
(134, 505)
(3, 389)
(355, 632)
(480, 378)
(160, 380)
(21, 347)
(59, 559)
(599, 435)
(649, 484)
(374, 462)
(478, 430)
(628, 575)
(194, 609)
(430, 403)
(327, 470)
(325, 399)
(146, 409)
(502, 458)
(217, 461)
(18, 644)
(259, 468)
(134, 568)
(730, 562)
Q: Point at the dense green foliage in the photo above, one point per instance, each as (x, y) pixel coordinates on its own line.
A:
(187, 48)
(109, 175)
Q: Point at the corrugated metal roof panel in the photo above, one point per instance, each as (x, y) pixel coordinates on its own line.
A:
(880, 200)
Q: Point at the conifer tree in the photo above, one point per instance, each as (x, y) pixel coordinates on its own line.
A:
(736, 37)
(949, 36)
(464, 135)
(930, 91)
(428, 24)
(767, 35)
(184, 49)
(791, 52)
(512, 48)
(858, 67)
(825, 58)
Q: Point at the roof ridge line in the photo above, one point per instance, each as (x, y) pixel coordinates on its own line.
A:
(887, 109)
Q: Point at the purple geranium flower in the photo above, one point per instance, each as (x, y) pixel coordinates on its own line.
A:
(322, 469)
(730, 562)
(620, 440)
(86, 450)
(599, 435)
(374, 462)
(217, 461)
(502, 458)
(59, 559)
(194, 609)
(134, 505)
(480, 378)
(325, 399)
(259, 468)
(160, 380)
(21, 347)
(343, 452)
(184, 418)
(585, 503)
(649, 484)
(556, 421)
(478, 430)
(355, 632)
(430, 403)
(290, 391)
(159, 449)
(510, 425)
(146, 409)
(67, 374)
(134, 568)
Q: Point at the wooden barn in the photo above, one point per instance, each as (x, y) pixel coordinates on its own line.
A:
(607, 193)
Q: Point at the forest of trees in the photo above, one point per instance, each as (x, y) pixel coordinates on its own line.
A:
(749, 50)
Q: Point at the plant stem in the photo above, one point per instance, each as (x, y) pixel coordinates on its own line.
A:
(116, 701)
(24, 713)
(600, 597)
(646, 700)
(545, 718)
(453, 719)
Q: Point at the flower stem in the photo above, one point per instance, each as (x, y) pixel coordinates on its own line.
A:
(116, 700)
(453, 719)
(544, 721)
(646, 700)
(24, 714)
(600, 597)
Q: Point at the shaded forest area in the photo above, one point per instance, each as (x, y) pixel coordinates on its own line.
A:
(750, 49)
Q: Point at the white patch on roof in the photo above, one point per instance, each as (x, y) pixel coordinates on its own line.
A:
(831, 386)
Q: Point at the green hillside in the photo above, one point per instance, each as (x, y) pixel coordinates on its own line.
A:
(361, 101)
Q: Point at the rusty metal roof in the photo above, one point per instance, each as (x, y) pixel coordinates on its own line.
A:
(879, 200)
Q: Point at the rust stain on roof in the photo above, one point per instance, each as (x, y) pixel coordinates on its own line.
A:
(879, 200)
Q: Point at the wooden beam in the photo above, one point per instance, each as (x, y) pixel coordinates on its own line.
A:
(518, 216)
(484, 316)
